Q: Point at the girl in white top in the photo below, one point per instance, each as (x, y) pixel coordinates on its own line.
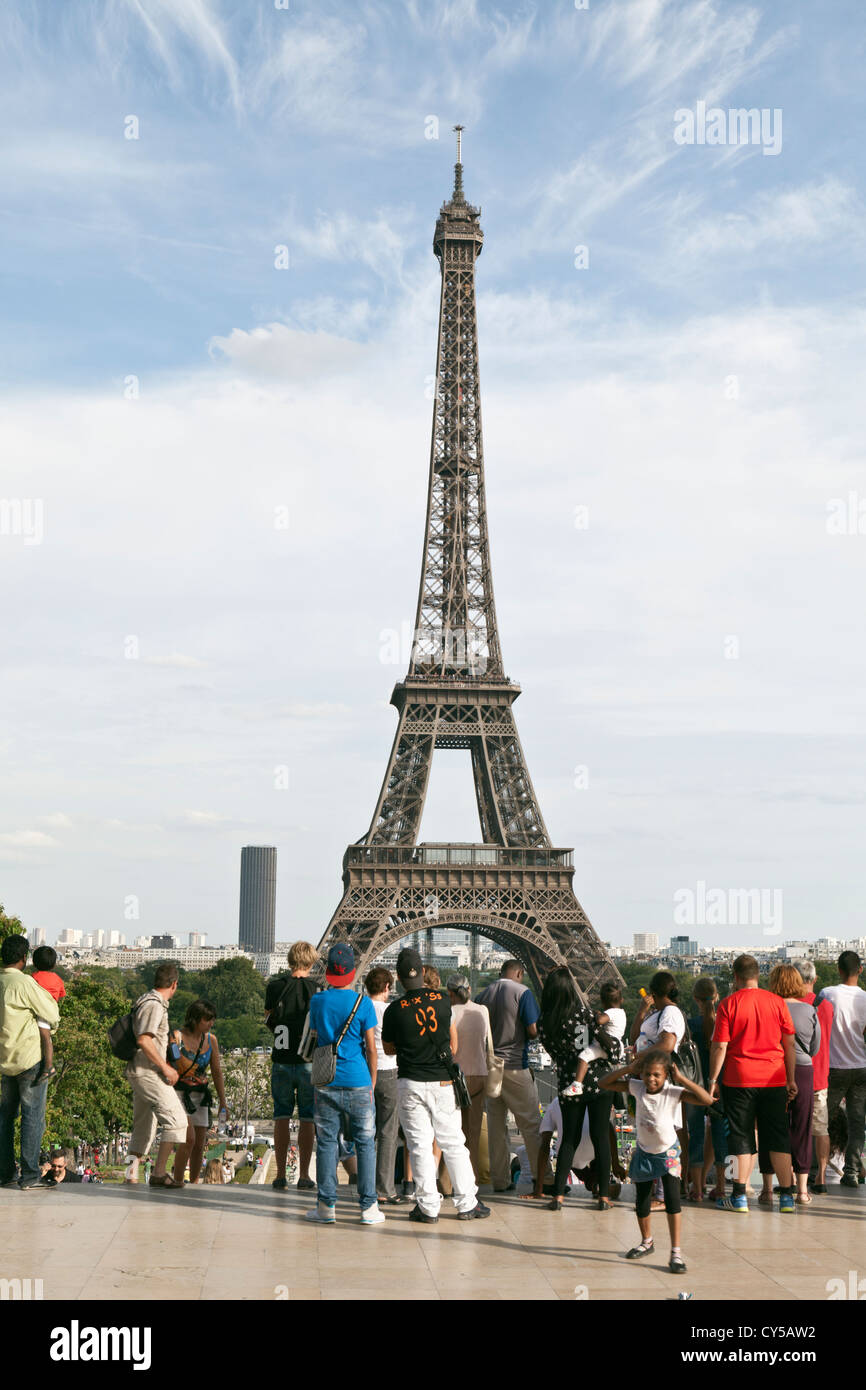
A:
(611, 1021)
(657, 1085)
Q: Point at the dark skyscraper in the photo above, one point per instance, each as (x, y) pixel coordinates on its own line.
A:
(258, 898)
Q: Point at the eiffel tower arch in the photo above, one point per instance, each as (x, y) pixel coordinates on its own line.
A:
(513, 886)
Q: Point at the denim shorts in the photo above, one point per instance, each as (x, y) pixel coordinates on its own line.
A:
(288, 1080)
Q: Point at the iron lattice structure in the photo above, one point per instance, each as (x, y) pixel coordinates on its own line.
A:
(513, 887)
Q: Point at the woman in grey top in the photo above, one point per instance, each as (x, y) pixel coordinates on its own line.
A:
(788, 983)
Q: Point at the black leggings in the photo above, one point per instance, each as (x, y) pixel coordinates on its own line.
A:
(573, 1110)
(644, 1191)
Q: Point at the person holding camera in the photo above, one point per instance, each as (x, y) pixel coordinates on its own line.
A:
(418, 1030)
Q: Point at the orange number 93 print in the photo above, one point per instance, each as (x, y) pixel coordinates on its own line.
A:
(426, 1020)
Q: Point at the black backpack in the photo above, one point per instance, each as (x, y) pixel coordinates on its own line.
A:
(121, 1037)
(277, 1017)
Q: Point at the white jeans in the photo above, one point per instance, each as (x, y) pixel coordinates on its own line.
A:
(429, 1111)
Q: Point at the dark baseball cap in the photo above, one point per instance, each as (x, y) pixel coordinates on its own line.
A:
(340, 969)
(410, 969)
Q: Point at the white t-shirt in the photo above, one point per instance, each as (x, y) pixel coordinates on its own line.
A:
(847, 1048)
(551, 1123)
(670, 1019)
(385, 1063)
(616, 1026)
(657, 1116)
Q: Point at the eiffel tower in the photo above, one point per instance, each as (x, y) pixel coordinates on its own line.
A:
(513, 886)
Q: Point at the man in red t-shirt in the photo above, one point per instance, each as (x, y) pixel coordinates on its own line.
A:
(754, 1043)
(820, 1076)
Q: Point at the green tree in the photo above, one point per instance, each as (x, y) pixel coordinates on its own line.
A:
(91, 1096)
(236, 1070)
(235, 987)
(10, 926)
(246, 1031)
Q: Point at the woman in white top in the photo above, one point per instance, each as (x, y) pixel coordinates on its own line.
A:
(473, 1057)
(378, 985)
(661, 1023)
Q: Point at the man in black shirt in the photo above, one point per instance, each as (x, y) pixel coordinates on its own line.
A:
(287, 1002)
(417, 1029)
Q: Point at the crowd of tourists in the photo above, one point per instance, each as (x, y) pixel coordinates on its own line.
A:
(401, 1090)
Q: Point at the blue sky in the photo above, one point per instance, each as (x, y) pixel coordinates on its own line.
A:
(698, 388)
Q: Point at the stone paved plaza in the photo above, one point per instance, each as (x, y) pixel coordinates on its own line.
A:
(252, 1243)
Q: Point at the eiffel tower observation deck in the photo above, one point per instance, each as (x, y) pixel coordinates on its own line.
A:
(513, 886)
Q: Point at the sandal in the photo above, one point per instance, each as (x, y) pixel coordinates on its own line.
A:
(553, 1205)
(164, 1180)
(765, 1199)
(602, 1204)
(803, 1199)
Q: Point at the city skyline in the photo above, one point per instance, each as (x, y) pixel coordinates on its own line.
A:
(206, 634)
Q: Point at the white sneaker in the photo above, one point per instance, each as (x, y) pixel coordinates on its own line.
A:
(322, 1213)
(372, 1216)
(575, 1089)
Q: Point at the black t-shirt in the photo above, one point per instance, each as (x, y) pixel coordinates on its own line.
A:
(293, 1011)
(419, 1025)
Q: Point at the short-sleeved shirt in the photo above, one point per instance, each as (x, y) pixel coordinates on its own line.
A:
(656, 1116)
(847, 1047)
(328, 1013)
(821, 1060)
(22, 1002)
(472, 1022)
(670, 1019)
(53, 983)
(298, 991)
(149, 1015)
(512, 1010)
(386, 1063)
(752, 1022)
(551, 1123)
(419, 1026)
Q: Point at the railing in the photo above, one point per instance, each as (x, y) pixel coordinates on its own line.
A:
(468, 855)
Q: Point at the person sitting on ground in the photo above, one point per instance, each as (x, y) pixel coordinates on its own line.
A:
(583, 1165)
(194, 1048)
(658, 1086)
(610, 1021)
(59, 1170)
(45, 959)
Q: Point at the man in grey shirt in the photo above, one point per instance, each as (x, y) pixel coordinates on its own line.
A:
(154, 1100)
(513, 1021)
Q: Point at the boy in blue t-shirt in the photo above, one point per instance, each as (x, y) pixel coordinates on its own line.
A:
(347, 1103)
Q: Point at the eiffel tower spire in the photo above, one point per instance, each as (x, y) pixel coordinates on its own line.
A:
(512, 886)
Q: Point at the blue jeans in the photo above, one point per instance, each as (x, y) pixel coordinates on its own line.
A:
(718, 1128)
(16, 1093)
(341, 1107)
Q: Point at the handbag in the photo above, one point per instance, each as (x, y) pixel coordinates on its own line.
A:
(458, 1080)
(493, 1084)
(325, 1055)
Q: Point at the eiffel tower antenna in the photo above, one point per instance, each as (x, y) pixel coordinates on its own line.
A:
(512, 886)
